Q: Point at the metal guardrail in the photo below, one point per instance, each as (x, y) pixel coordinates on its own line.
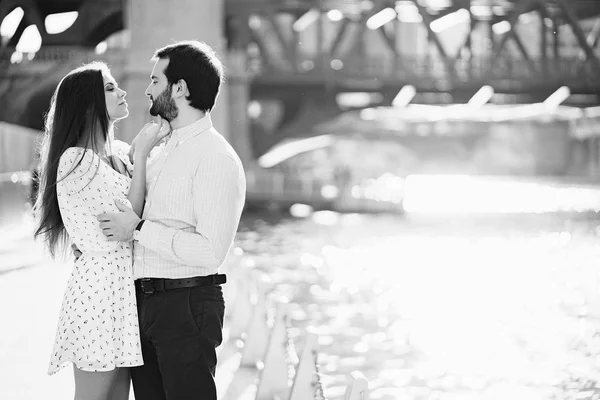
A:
(514, 72)
(268, 357)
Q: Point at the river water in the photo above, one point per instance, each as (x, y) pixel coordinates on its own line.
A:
(498, 302)
(483, 289)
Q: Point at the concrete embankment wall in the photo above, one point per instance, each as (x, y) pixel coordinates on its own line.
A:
(525, 148)
(511, 147)
(17, 147)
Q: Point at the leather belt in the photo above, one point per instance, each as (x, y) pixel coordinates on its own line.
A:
(153, 285)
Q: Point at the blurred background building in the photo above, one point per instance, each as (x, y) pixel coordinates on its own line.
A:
(444, 86)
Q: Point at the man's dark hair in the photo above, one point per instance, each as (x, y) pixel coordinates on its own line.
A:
(197, 64)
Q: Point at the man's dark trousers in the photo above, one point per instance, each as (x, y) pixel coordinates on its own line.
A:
(179, 331)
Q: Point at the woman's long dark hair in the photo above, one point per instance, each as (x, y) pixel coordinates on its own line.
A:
(77, 114)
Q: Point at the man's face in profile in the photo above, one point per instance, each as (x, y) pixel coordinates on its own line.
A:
(159, 91)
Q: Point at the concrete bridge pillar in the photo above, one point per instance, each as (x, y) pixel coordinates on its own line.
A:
(156, 23)
(238, 92)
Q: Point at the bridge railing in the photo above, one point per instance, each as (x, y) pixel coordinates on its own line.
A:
(265, 359)
(481, 68)
(426, 70)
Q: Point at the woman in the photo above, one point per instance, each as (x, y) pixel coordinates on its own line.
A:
(80, 178)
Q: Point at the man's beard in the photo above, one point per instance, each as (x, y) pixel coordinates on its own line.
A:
(164, 105)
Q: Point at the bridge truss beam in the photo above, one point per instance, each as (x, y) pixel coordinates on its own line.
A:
(273, 34)
(275, 43)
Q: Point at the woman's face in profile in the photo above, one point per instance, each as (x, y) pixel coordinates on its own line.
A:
(115, 98)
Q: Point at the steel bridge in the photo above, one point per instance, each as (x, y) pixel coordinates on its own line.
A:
(301, 54)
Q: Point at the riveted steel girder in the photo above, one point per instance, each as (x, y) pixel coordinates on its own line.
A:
(280, 52)
(427, 20)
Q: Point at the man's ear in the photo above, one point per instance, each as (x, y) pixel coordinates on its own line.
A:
(180, 89)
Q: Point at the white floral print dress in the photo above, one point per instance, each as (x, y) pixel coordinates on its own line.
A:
(98, 322)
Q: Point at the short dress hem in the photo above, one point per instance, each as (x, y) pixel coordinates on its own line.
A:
(110, 367)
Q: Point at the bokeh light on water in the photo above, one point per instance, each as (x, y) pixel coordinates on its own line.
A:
(501, 303)
(464, 194)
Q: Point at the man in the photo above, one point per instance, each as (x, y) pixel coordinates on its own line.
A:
(195, 194)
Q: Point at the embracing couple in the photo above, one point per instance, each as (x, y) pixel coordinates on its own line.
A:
(151, 225)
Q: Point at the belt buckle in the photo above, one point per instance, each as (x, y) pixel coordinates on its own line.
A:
(148, 281)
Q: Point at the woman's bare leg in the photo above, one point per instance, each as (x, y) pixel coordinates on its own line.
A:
(93, 385)
(121, 385)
